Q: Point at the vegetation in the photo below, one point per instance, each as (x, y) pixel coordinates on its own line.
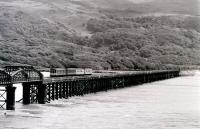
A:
(110, 40)
(147, 42)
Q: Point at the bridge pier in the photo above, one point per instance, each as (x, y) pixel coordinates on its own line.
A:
(10, 102)
(26, 93)
(41, 93)
(34, 92)
(53, 91)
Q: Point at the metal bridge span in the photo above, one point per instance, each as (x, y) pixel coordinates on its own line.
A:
(10, 75)
(36, 89)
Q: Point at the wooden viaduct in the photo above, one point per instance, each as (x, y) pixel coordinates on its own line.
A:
(38, 90)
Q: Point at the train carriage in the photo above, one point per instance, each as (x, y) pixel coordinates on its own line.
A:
(88, 71)
(58, 72)
(75, 71)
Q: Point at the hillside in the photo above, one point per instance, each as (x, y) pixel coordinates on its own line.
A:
(102, 34)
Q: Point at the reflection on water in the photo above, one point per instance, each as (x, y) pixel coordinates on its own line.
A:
(168, 104)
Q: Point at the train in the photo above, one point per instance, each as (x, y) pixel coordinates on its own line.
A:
(59, 72)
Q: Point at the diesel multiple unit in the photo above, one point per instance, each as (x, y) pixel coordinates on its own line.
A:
(55, 72)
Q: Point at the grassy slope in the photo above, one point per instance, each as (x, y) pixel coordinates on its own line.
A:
(48, 32)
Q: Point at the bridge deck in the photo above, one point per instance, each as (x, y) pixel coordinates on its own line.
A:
(103, 74)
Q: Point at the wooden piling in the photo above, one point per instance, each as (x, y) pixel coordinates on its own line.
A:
(78, 87)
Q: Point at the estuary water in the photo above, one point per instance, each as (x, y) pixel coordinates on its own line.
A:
(167, 104)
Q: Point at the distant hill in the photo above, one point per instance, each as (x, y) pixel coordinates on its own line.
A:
(102, 34)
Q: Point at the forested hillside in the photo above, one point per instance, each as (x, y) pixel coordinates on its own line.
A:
(106, 34)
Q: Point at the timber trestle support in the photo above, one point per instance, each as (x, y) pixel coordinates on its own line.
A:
(81, 86)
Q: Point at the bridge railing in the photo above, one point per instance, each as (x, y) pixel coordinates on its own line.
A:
(5, 78)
